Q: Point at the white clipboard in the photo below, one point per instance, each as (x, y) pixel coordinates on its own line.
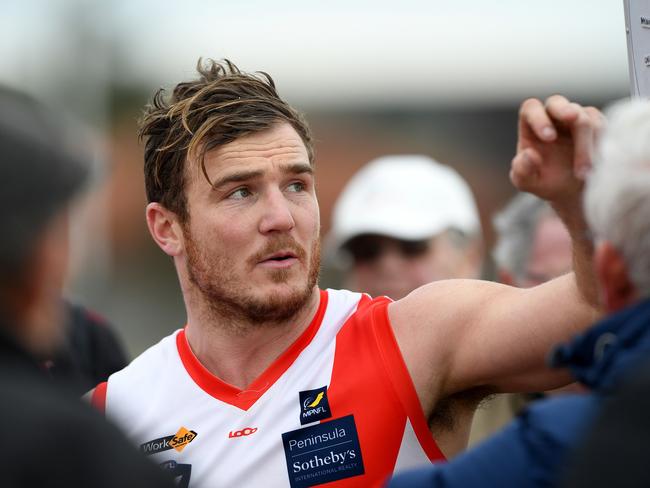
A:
(637, 28)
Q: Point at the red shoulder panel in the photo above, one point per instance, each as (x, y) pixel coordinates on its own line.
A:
(98, 399)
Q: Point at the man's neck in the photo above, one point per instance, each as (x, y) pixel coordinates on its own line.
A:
(239, 353)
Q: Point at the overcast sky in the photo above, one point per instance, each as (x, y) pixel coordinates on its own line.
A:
(334, 52)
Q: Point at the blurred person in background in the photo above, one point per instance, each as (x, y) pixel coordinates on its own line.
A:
(404, 221)
(556, 440)
(276, 382)
(533, 246)
(50, 438)
(90, 351)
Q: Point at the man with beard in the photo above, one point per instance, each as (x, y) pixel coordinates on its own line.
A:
(274, 382)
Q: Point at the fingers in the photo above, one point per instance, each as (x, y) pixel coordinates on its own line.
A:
(545, 118)
(585, 129)
(598, 121)
(557, 112)
(525, 169)
(584, 124)
(561, 110)
(583, 139)
(555, 146)
(534, 117)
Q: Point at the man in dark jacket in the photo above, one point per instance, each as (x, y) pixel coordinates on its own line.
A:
(615, 450)
(90, 353)
(534, 449)
(50, 439)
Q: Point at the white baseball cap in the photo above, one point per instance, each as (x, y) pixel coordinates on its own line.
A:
(408, 197)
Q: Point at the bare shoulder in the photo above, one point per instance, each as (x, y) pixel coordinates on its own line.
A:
(430, 321)
(440, 309)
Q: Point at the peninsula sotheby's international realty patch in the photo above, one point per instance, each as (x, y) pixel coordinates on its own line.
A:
(324, 452)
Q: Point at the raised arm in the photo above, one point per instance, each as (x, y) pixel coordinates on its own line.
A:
(460, 335)
(554, 151)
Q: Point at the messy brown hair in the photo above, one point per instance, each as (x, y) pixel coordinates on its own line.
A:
(223, 105)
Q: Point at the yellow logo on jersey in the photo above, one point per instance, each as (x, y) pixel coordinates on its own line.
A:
(182, 438)
(315, 403)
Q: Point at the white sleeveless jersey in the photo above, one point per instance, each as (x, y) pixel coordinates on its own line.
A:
(338, 406)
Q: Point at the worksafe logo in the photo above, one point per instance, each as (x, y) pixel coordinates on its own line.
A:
(314, 405)
(178, 442)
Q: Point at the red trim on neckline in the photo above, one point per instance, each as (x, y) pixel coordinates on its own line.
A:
(244, 399)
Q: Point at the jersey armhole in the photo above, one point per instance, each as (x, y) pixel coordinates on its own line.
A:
(397, 371)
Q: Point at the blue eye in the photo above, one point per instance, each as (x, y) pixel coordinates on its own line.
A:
(240, 193)
(296, 186)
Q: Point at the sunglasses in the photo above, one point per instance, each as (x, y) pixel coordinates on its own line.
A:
(368, 247)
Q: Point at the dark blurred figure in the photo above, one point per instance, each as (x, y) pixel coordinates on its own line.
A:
(50, 439)
(615, 451)
(90, 352)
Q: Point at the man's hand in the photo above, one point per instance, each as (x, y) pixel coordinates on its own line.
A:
(555, 147)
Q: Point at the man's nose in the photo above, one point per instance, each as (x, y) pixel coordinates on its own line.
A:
(390, 261)
(276, 214)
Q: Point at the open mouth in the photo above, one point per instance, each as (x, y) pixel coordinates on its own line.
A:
(279, 257)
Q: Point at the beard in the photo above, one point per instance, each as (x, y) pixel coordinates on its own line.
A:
(230, 297)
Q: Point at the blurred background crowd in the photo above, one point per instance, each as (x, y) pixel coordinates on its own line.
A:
(442, 79)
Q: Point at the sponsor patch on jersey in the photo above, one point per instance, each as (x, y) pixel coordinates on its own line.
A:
(314, 405)
(180, 473)
(242, 433)
(324, 452)
(177, 441)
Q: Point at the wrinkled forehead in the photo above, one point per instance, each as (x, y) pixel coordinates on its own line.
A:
(277, 148)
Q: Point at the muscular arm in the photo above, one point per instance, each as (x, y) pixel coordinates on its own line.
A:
(459, 335)
(462, 335)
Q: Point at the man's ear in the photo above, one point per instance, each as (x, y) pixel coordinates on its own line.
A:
(617, 289)
(165, 229)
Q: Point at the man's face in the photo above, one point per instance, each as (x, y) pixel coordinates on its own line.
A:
(252, 239)
(386, 266)
(551, 255)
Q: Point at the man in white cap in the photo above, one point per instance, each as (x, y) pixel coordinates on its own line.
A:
(405, 221)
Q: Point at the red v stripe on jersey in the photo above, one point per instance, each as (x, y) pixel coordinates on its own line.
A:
(244, 399)
(371, 381)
